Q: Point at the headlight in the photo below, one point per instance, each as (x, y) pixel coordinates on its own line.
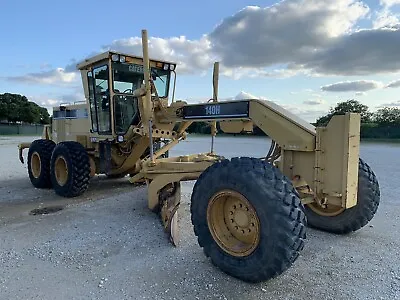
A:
(166, 66)
(122, 59)
(120, 138)
(172, 67)
(115, 57)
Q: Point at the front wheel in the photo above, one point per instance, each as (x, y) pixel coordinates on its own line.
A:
(70, 169)
(338, 220)
(248, 218)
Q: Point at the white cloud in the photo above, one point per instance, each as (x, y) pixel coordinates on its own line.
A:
(71, 98)
(56, 76)
(239, 72)
(350, 86)
(304, 91)
(364, 52)
(394, 84)
(192, 55)
(45, 102)
(291, 37)
(244, 95)
(361, 93)
(283, 33)
(309, 37)
(303, 111)
(385, 18)
(390, 104)
(287, 34)
(314, 102)
(389, 3)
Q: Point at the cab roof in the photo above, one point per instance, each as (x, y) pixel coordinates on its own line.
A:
(106, 55)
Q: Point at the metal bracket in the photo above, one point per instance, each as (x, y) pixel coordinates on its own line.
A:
(105, 156)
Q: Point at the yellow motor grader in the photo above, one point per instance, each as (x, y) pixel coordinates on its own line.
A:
(249, 214)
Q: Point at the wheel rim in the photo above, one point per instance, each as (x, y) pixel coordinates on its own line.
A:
(61, 170)
(233, 223)
(36, 165)
(328, 211)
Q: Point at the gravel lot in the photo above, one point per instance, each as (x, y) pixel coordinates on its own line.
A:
(107, 245)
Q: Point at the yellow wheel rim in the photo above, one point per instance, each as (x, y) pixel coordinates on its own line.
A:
(61, 170)
(36, 165)
(233, 223)
(328, 210)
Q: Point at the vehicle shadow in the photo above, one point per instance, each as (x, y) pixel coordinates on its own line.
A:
(18, 196)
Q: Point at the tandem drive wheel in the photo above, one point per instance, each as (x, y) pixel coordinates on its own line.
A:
(70, 169)
(338, 220)
(39, 156)
(248, 218)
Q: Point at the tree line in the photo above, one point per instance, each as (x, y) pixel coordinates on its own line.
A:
(17, 108)
(383, 123)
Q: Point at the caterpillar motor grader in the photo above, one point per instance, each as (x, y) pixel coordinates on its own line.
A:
(249, 214)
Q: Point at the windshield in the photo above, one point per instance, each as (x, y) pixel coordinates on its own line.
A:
(129, 77)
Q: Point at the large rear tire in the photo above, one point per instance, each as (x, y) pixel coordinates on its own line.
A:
(344, 221)
(39, 156)
(70, 169)
(248, 218)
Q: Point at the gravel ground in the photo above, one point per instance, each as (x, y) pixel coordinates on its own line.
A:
(106, 244)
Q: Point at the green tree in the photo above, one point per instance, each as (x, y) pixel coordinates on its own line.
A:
(44, 116)
(346, 107)
(13, 112)
(387, 116)
(3, 111)
(17, 108)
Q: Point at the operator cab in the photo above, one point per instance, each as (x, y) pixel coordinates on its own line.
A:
(109, 80)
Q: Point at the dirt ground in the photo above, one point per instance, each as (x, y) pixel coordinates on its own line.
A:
(106, 244)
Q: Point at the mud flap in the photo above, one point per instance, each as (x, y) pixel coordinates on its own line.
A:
(169, 201)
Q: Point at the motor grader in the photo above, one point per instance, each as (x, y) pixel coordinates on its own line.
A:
(249, 214)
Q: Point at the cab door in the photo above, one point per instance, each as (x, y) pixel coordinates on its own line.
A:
(99, 98)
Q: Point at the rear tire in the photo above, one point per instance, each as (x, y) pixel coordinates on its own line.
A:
(39, 156)
(261, 199)
(354, 218)
(70, 169)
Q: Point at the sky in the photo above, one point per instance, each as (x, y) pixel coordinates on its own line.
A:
(305, 55)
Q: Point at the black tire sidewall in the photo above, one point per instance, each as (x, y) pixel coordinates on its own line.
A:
(61, 150)
(274, 250)
(354, 218)
(44, 149)
(66, 150)
(213, 248)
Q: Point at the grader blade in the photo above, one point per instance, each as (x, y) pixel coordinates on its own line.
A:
(169, 205)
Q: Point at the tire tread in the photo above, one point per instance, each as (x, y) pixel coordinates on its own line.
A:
(283, 206)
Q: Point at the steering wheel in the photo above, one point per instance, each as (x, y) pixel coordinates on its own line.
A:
(128, 91)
